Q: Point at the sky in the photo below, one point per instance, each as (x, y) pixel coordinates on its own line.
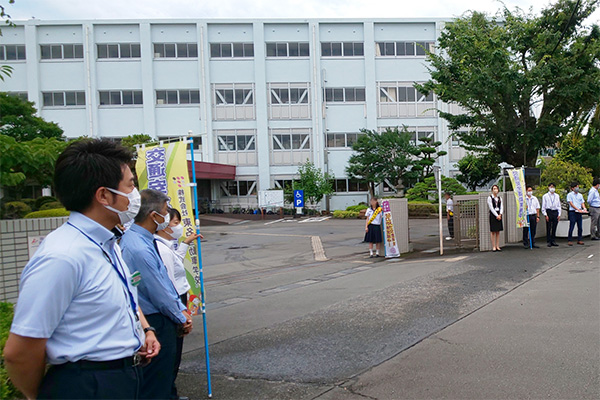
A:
(164, 9)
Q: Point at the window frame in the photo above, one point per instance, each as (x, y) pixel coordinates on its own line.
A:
(290, 47)
(78, 95)
(120, 51)
(133, 94)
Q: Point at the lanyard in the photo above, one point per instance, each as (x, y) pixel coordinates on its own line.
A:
(114, 265)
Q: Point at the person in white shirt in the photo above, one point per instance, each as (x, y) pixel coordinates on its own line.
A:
(551, 207)
(576, 210)
(166, 241)
(594, 203)
(533, 215)
(373, 233)
(496, 211)
(450, 215)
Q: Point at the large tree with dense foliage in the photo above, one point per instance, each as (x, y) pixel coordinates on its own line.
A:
(498, 68)
(380, 157)
(18, 119)
(583, 149)
(478, 169)
(315, 183)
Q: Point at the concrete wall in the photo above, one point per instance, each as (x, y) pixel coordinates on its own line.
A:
(17, 243)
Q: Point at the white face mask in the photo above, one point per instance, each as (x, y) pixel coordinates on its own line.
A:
(177, 231)
(551, 190)
(529, 194)
(164, 224)
(135, 201)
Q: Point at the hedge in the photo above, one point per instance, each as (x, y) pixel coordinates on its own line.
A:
(357, 207)
(424, 209)
(40, 201)
(15, 210)
(52, 205)
(7, 390)
(56, 212)
(345, 214)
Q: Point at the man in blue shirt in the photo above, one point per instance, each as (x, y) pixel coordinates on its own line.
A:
(77, 306)
(576, 209)
(158, 297)
(594, 203)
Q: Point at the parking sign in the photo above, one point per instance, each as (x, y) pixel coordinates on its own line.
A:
(298, 198)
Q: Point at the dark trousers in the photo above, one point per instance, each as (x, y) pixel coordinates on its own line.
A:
(158, 375)
(451, 226)
(69, 381)
(533, 227)
(575, 218)
(551, 226)
(179, 351)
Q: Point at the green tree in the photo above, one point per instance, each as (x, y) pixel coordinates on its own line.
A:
(422, 191)
(562, 174)
(583, 149)
(427, 156)
(18, 119)
(132, 140)
(497, 68)
(13, 155)
(380, 157)
(315, 183)
(478, 169)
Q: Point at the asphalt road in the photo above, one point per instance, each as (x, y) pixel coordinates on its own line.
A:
(282, 325)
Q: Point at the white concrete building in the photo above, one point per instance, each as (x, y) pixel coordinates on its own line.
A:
(264, 95)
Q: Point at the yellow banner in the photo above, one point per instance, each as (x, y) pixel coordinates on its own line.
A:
(517, 177)
(164, 168)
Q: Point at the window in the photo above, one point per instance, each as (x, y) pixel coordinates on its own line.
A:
(12, 52)
(238, 188)
(236, 142)
(402, 94)
(121, 97)
(344, 95)
(284, 183)
(120, 50)
(63, 99)
(342, 139)
(175, 50)
(417, 132)
(234, 96)
(342, 49)
(350, 185)
(403, 49)
(288, 49)
(181, 96)
(61, 51)
(21, 95)
(232, 50)
(291, 141)
(289, 96)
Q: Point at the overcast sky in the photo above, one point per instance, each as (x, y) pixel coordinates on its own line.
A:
(118, 9)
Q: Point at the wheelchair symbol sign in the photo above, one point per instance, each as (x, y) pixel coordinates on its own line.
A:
(298, 198)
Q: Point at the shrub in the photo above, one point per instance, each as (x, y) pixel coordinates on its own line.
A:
(421, 209)
(345, 214)
(56, 212)
(40, 201)
(7, 390)
(357, 207)
(29, 202)
(51, 205)
(16, 210)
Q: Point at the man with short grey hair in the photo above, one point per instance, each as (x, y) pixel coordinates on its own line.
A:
(158, 297)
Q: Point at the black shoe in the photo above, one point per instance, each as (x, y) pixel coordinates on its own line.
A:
(554, 244)
(595, 238)
(526, 246)
(549, 244)
(371, 256)
(377, 255)
(535, 247)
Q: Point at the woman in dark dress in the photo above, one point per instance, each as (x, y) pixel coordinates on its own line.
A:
(496, 211)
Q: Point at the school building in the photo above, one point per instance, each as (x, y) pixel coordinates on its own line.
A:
(261, 95)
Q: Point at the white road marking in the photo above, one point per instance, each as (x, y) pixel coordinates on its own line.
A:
(590, 256)
(274, 222)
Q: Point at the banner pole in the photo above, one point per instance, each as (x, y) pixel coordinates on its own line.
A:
(199, 245)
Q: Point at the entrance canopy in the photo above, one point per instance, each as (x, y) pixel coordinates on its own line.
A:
(206, 170)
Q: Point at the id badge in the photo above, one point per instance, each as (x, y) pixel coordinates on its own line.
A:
(135, 278)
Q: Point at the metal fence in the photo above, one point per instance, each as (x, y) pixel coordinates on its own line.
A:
(466, 221)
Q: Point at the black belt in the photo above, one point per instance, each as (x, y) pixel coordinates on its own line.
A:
(126, 362)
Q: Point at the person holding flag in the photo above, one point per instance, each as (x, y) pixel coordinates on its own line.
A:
(373, 233)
